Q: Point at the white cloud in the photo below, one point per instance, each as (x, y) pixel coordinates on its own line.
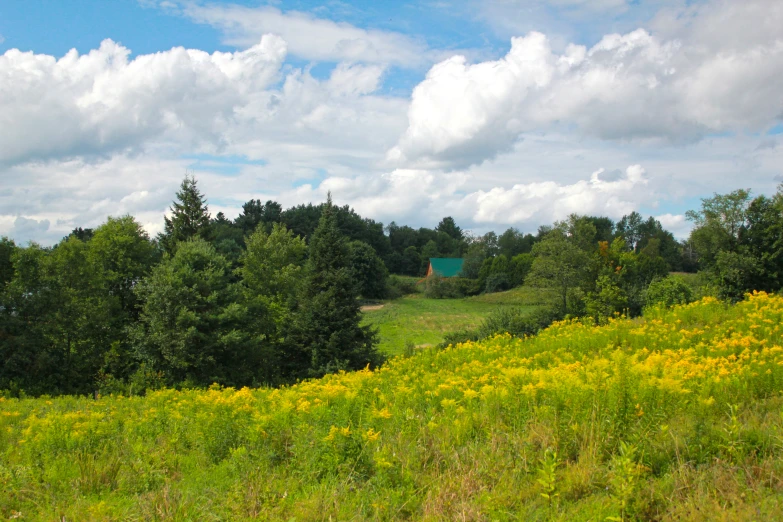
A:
(185, 101)
(566, 21)
(63, 195)
(719, 25)
(494, 144)
(22, 228)
(548, 201)
(103, 102)
(543, 179)
(308, 37)
(675, 223)
(626, 87)
(420, 196)
(349, 79)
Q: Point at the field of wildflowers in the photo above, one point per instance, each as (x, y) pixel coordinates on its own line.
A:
(676, 415)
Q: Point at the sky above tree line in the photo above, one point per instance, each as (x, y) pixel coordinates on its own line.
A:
(499, 113)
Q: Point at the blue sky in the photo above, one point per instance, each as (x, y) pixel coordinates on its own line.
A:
(500, 113)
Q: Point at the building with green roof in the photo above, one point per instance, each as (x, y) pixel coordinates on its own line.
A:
(445, 266)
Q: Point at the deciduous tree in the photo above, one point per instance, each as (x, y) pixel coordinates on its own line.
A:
(559, 264)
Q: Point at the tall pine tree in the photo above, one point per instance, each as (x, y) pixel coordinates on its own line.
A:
(189, 216)
(326, 328)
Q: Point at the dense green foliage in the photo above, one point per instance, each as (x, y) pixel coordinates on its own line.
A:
(326, 326)
(669, 291)
(739, 241)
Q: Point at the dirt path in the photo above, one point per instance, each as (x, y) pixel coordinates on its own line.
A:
(370, 308)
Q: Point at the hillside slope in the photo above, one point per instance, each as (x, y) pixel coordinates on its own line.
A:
(674, 415)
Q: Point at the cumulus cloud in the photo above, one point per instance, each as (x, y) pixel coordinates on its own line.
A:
(307, 36)
(677, 224)
(183, 101)
(63, 195)
(545, 202)
(102, 101)
(87, 136)
(420, 196)
(634, 86)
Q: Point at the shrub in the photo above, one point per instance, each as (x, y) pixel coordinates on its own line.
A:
(734, 274)
(397, 287)
(668, 291)
(520, 266)
(436, 287)
(607, 299)
(516, 321)
(496, 283)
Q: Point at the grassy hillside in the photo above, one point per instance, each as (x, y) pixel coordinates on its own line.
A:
(420, 321)
(675, 416)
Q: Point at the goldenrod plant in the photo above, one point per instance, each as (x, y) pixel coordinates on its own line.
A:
(675, 415)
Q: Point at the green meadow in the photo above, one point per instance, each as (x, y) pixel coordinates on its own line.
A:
(421, 322)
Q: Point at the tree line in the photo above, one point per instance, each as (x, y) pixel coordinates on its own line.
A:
(273, 296)
(113, 309)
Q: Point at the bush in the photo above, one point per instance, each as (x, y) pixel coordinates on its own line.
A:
(496, 283)
(436, 287)
(518, 322)
(520, 266)
(368, 269)
(734, 274)
(397, 287)
(607, 299)
(668, 291)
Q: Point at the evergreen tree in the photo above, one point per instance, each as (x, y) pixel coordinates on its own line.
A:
(227, 237)
(193, 326)
(189, 216)
(254, 212)
(327, 325)
(82, 234)
(449, 226)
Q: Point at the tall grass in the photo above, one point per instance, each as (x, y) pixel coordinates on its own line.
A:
(674, 415)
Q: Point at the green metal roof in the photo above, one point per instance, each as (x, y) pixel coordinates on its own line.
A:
(447, 266)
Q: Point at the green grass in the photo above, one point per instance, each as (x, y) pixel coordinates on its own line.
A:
(421, 321)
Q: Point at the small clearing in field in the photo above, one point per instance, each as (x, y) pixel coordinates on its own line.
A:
(416, 320)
